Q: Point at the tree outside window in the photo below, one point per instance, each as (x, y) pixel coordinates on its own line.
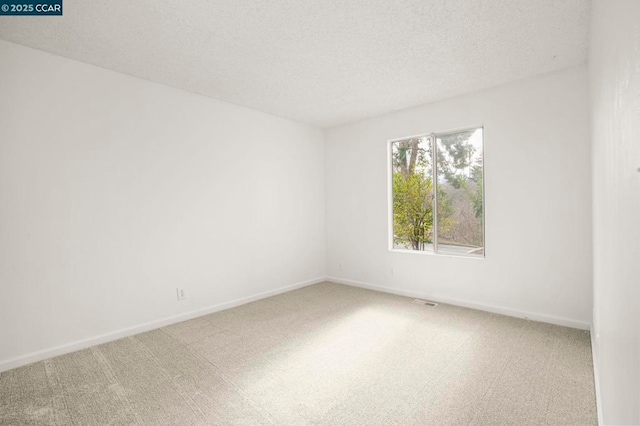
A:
(439, 208)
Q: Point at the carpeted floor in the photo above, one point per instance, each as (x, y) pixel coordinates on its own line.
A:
(325, 354)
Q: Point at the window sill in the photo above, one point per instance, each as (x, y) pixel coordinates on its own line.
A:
(432, 253)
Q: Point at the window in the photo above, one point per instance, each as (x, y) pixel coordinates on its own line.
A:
(437, 193)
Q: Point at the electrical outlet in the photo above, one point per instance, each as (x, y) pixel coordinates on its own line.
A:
(341, 267)
(180, 293)
(393, 272)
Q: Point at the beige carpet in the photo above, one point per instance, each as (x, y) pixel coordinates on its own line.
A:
(325, 354)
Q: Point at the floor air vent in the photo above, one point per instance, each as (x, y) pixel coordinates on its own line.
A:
(424, 302)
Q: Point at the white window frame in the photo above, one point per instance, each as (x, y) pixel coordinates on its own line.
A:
(432, 138)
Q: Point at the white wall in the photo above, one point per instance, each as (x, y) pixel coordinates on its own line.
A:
(538, 202)
(115, 190)
(614, 74)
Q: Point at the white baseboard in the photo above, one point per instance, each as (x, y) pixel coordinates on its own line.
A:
(140, 328)
(596, 375)
(467, 304)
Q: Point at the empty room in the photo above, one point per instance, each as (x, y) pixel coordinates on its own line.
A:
(231, 212)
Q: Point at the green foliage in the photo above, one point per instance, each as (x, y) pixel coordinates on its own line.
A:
(412, 210)
(446, 222)
(460, 191)
(476, 196)
(454, 154)
(472, 186)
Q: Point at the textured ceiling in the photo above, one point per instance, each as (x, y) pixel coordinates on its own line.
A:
(323, 62)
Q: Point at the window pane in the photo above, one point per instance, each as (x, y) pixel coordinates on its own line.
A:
(412, 194)
(460, 193)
